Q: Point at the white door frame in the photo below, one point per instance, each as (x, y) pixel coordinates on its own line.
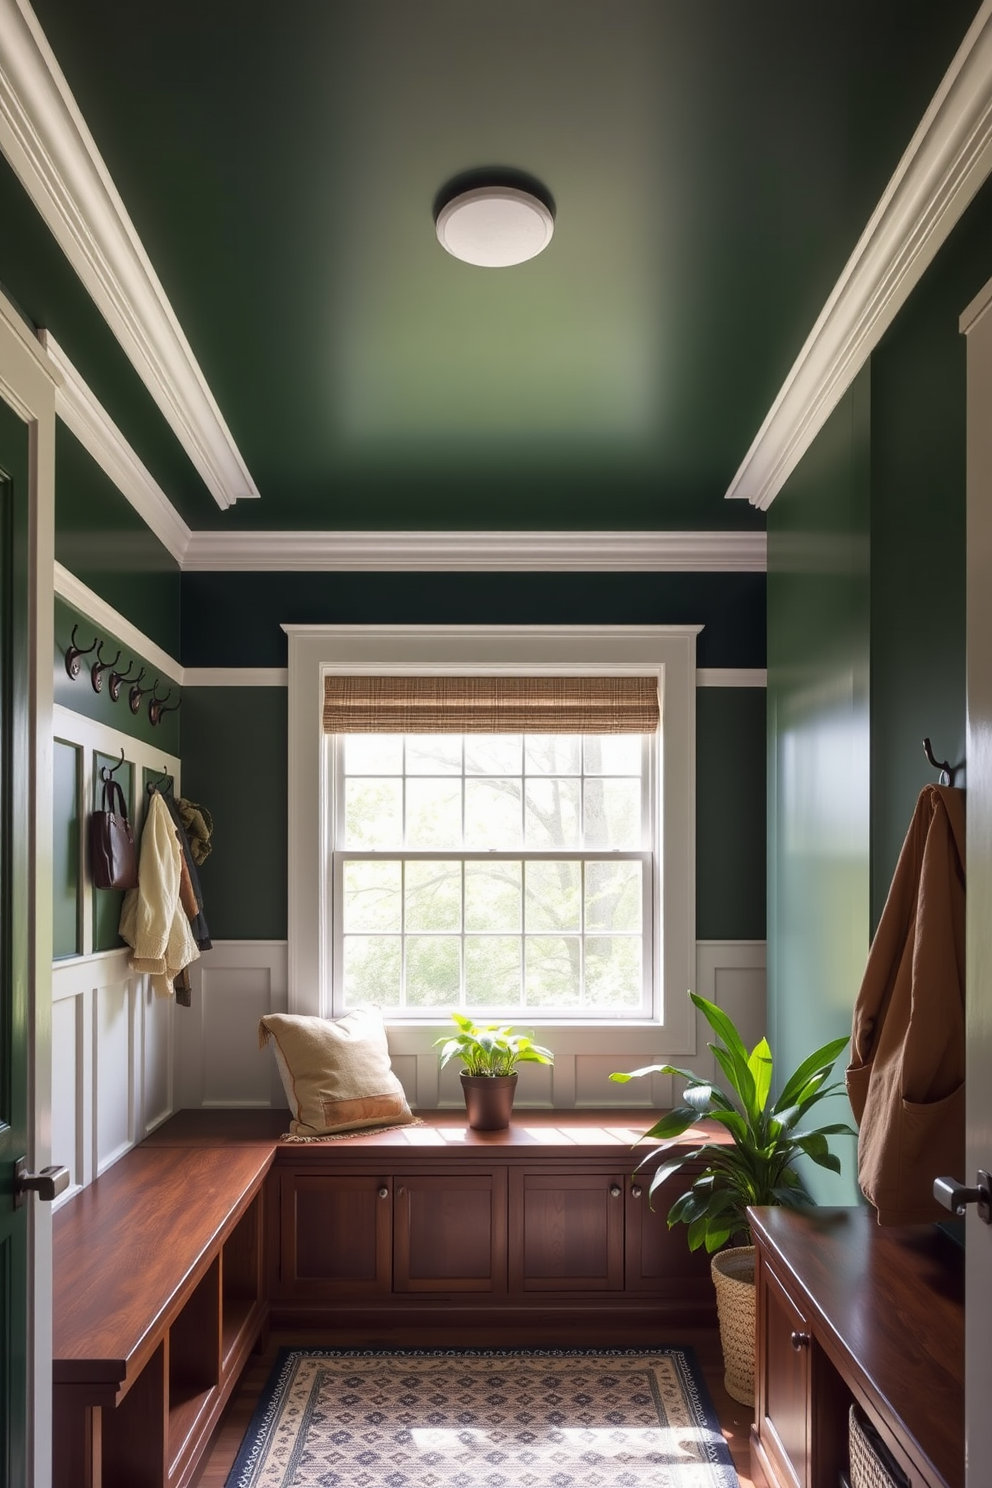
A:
(976, 322)
(27, 385)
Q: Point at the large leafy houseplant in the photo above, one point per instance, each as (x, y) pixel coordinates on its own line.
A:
(768, 1136)
(491, 1048)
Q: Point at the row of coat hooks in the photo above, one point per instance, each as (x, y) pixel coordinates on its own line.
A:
(164, 781)
(117, 678)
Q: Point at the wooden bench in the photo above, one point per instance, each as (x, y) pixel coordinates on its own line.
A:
(166, 1267)
(159, 1297)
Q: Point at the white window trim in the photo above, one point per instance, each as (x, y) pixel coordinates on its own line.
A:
(668, 651)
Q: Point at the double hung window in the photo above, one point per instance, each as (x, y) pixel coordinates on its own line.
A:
(465, 850)
(507, 870)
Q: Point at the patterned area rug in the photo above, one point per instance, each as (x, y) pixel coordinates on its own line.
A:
(486, 1418)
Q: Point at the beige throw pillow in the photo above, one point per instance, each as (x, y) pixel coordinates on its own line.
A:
(336, 1073)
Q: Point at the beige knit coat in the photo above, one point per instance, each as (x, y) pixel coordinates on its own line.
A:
(153, 921)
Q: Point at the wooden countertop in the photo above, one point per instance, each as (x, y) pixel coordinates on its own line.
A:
(596, 1133)
(890, 1307)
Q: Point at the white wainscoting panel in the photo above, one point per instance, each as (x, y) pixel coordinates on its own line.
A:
(593, 1086)
(112, 1038)
(731, 974)
(235, 983)
(113, 1072)
(219, 1062)
(68, 1147)
(155, 1103)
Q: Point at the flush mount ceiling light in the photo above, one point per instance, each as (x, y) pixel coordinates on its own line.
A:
(494, 225)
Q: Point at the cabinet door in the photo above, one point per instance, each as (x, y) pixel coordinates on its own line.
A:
(336, 1234)
(783, 1381)
(449, 1233)
(658, 1260)
(566, 1232)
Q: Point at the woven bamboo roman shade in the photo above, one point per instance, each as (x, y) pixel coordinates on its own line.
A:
(491, 705)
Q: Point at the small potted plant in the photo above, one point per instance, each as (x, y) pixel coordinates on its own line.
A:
(756, 1167)
(490, 1054)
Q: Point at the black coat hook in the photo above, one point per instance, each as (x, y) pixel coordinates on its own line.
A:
(73, 665)
(153, 785)
(157, 707)
(107, 775)
(947, 770)
(137, 692)
(117, 678)
(155, 704)
(98, 668)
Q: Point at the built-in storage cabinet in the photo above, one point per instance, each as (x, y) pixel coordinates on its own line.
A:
(449, 1232)
(567, 1231)
(335, 1233)
(454, 1229)
(850, 1313)
(345, 1235)
(783, 1390)
(146, 1355)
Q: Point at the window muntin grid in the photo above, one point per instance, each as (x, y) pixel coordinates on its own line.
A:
(503, 874)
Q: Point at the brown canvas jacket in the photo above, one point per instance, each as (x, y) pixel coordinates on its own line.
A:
(906, 1075)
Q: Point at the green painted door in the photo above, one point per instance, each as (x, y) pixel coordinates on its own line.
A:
(14, 910)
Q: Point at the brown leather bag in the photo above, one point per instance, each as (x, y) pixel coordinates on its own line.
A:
(113, 862)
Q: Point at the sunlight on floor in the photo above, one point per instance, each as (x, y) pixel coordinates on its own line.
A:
(581, 1444)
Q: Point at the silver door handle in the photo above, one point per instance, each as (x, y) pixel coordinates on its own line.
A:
(956, 1197)
(47, 1184)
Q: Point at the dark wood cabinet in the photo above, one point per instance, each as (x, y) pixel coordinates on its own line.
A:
(567, 1231)
(429, 1224)
(449, 1233)
(850, 1313)
(783, 1390)
(336, 1233)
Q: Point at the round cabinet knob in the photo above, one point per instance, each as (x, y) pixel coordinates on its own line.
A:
(800, 1341)
(636, 1190)
(384, 1192)
(615, 1191)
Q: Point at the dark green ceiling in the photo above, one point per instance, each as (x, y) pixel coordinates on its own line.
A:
(713, 163)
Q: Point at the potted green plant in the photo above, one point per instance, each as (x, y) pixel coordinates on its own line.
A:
(490, 1054)
(757, 1166)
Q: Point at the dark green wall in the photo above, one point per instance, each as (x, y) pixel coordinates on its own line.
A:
(918, 538)
(102, 541)
(730, 813)
(818, 726)
(233, 619)
(234, 740)
(866, 648)
(234, 763)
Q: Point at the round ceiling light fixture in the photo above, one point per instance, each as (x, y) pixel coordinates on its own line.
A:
(494, 225)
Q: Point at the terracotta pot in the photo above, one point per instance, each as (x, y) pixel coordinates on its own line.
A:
(489, 1100)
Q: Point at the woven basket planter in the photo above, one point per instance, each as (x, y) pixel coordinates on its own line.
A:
(733, 1277)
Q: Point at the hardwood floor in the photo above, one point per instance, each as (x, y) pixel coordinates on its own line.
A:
(734, 1419)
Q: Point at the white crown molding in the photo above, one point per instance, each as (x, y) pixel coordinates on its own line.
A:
(46, 140)
(96, 431)
(105, 617)
(731, 677)
(945, 163)
(503, 552)
(236, 677)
